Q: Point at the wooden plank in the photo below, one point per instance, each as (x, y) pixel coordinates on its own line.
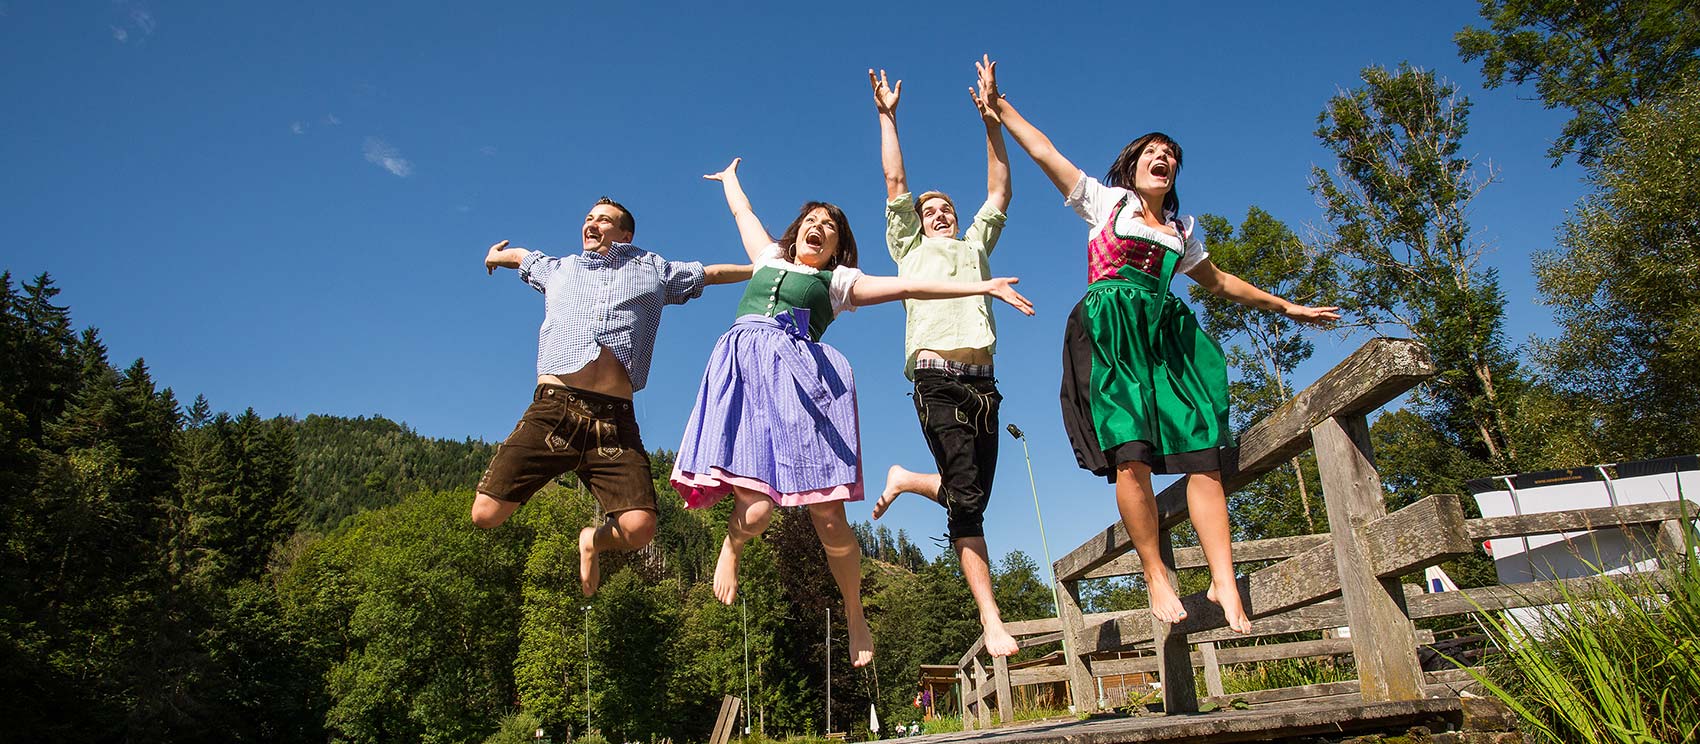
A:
(1032, 641)
(974, 650)
(981, 713)
(723, 723)
(1531, 594)
(1080, 686)
(965, 686)
(1576, 520)
(1037, 675)
(1382, 635)
(1174, 657)
(1426, 533)
(1006, 700)
(1212, 669)
(1248, 551)
(1377, 372)
(1444, 681)
(1245, 655)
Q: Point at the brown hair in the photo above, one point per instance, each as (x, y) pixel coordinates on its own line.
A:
(1122, 170)
(627, 222)
(922, 199)
(845, 255)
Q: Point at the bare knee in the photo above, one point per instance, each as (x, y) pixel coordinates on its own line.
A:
(637, 526)
(489, 512)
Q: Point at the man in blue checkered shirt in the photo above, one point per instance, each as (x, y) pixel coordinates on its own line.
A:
(602, 308)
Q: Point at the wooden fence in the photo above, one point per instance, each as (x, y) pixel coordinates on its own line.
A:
(1346, 577)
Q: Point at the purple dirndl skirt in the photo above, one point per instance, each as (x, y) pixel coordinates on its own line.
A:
(776, 413)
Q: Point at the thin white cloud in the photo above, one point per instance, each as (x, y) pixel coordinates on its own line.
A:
(120, 34)
(383, 155)
(298, 128)
(488, 150)
(144, 21)
(331, 120)
(463, 208)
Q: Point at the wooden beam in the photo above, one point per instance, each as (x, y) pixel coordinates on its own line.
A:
(1174, 662)
(1531, 594)
(1212, 669)
(1382, 635)
(1249, 551)
(1379, 371)
(983, 714)
(1577, 520)
(1006, 699)
(1041, 640)
(1081, 689)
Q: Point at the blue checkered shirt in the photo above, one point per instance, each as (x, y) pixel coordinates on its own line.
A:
(611, 299)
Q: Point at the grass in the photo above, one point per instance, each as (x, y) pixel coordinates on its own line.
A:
(1269, 675)
(1615, 666)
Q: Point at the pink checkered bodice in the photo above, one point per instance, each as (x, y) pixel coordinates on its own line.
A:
(1108, 251)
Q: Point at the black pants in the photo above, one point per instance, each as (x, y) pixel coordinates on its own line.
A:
(959, 417)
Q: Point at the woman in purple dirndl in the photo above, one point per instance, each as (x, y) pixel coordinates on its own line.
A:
(775, 418)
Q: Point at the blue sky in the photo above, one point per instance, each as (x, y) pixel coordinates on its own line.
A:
(286, 206)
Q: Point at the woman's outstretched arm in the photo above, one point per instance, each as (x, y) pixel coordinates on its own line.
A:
(1063, 173)
(756, 238)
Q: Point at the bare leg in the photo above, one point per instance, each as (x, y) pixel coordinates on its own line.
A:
(899, 481)
(627, 530)
(1207, 505)
(844, 558)
(751, 513)
(1138, 507)
(977, 569)
(489, 511)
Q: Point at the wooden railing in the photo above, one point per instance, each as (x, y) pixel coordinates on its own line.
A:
(1346, 577)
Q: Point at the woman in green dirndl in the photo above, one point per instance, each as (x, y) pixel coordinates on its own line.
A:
(1144, 389)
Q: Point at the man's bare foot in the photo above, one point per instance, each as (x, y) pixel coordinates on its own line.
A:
(897, 481)
(726, 573)
(998, 641)
(589, 563)
(1165, 603)
(1232, 608)
(861, 643)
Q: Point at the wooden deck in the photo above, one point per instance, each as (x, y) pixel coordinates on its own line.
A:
(1452, 719)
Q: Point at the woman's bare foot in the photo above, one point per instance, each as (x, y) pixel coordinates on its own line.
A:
(589, 563)
(898, 481)
(726, 573)
(1165, 603)
(861, 642)
(1229, 598)
(998, 641)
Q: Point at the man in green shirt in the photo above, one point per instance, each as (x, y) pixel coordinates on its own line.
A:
(948, 347)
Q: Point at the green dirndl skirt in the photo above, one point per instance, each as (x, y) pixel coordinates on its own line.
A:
(1142, 381)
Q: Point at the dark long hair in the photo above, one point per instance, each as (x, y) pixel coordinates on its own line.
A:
(1122, 170)
(846, 253)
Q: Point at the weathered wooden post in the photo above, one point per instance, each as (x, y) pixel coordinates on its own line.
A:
(1212, 670)
(1383, 639)
(966, 687)
(981, 713)
(1006, 698)
(1081, 690)
(1174, 654)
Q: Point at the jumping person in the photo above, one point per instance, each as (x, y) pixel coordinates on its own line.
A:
(1144, 389)
(602, 308)
(775, 419)
(948, 346)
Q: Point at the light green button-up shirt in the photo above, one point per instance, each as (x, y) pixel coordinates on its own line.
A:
(961, 323)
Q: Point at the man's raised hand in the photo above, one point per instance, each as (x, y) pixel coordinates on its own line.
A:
(885, 96)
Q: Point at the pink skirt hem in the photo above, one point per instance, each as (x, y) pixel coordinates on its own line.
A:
(702, 490)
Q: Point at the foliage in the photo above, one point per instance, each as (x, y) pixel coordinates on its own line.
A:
(1623, 287)
(516, 728)
(1598, 58)
(1608, 666)
(1263, 349)
(1270, 675)
(349, 465)
(1397, 203)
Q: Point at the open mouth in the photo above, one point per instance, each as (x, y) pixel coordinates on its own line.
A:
(1160, 169)
(592, 234)
(814, 239)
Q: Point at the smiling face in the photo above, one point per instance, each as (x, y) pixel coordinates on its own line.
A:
(1155, 173)
(938, 216)
(1149, 166)
(817, 239)
(604, 227)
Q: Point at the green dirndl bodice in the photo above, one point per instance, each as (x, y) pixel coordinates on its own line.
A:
(1141, 379)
